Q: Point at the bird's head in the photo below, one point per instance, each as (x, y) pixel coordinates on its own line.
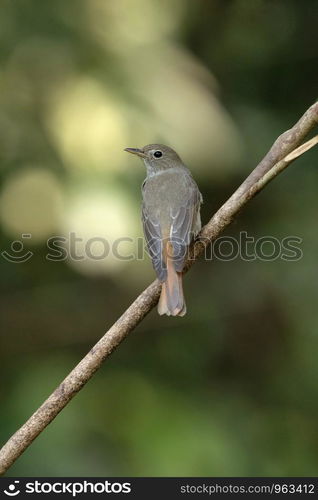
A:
(157, 156)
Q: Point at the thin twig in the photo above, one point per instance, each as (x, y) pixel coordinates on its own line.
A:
(277, 159)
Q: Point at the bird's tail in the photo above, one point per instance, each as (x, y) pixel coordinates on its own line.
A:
(171, 300)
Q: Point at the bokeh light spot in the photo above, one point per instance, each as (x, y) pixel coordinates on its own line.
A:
(31, 202)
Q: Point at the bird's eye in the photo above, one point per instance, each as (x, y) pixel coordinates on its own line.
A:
(157, 154)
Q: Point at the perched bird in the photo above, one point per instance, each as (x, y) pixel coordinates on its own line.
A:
(171, 219)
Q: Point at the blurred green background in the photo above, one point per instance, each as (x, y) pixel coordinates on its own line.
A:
(231, 388)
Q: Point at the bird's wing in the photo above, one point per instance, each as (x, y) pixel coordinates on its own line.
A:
(153, 237)
(186, 224)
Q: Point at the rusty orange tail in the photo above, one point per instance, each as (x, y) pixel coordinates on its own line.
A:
(171, 300)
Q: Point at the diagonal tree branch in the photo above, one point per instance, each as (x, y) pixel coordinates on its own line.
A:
(284, 150)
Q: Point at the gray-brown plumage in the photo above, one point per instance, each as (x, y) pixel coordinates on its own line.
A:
(171, 219)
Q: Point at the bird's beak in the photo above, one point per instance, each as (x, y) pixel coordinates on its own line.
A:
(136, 151)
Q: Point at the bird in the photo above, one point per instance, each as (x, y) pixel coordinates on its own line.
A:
(171, 203)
